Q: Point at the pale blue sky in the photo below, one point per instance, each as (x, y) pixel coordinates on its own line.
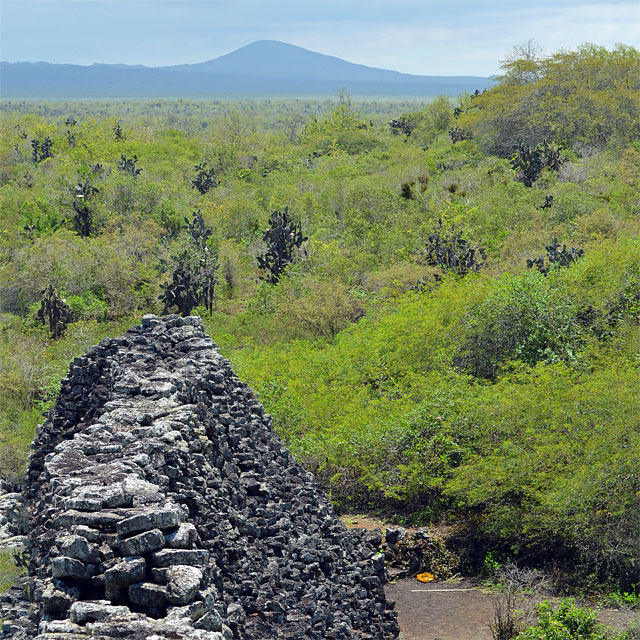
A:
(457, 37)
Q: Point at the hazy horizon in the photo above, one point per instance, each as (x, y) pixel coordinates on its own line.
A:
(424, 38)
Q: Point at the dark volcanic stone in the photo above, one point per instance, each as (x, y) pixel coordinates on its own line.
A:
(63, 567)
(163, 505)
(183, 583)
(160, 519)
(170, 557)
(127, 572)
(58, 597)
(184, 537)
(83, 612)
(148, 594)
(142, 543)
(79, 548)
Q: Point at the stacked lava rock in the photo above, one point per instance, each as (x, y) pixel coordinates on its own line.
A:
(163, 506)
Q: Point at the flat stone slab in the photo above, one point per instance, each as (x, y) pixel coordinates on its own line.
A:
(148, 594)
(64, 567)
(127, 572)
(171, 557)
(142, 543)
(84, 504)
(94, 610)
(153, 519)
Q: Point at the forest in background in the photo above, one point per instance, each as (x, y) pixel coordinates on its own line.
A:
(455, 341)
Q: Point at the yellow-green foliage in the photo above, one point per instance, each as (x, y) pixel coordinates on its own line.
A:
(505, 400)
(9, 572)
(434, 119)
(344, 129)
(584, 97)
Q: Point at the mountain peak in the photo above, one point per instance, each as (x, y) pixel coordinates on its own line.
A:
(270, 43)
(261, 68)
(269, 57)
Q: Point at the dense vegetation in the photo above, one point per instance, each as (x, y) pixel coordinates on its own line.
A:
(455, 340)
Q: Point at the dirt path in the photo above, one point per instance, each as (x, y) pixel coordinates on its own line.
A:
(441, 610)
(445, 611)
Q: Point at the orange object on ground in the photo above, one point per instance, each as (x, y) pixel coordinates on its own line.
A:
(426, 577)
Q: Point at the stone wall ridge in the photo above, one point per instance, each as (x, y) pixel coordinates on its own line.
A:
(162, 505)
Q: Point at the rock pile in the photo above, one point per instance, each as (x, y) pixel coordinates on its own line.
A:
(162, 506)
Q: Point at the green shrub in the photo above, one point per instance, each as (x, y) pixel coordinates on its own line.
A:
(568, 622)
(87, 306)
(40, 215)
(323, 310)
(620, 598)
(551, 475)
(524, 318)
(503, 401)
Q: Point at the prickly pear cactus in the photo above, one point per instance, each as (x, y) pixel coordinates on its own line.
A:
(54, 311)
(283, 239)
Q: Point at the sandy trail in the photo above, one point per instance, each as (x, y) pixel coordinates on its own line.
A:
(448, 611)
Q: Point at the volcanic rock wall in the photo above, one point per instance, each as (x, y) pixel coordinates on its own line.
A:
(162, 506)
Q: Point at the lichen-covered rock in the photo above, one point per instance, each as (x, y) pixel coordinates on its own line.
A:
(147, 520)
(83, 612)
(127, 572)
(75, 546)
(64, 567)
(183, 583)
(12, 517)
(142, 543)
(58, 597)
(184, 537)
(148, 595)
(162, 506)
(171, 557)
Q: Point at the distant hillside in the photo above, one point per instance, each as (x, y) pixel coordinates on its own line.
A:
(264, 68)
